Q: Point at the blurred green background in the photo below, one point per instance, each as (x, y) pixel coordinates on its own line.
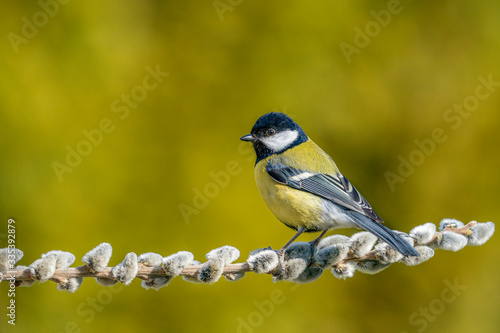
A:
(227, 66)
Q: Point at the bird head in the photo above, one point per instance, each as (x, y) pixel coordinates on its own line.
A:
(273, 133)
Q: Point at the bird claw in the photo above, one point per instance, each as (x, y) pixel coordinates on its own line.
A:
(314, 245)
(279, 271)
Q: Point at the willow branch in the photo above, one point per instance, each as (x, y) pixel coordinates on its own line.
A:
(144, 272)
(304, 262)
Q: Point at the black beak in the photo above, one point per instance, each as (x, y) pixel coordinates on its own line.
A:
(248, 137)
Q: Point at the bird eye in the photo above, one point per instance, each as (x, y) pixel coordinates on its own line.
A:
(270, 132)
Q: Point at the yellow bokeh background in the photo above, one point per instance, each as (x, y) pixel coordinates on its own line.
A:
(227, 66)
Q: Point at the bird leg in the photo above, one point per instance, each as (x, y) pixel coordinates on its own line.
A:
(281, 252)
(314, 243)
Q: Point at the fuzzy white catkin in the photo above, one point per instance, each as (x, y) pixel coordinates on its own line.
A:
(387, 254)
(9, 258)
(263, 261)
(423, 233)
(371, 266)
(126, 271)
(425, 254)
(451, 223)
(63, 259)
(292, 270)
(451, 241)
(334, 240)
(71, 285)
(211, 271)
(362, 242)
(106, 282)
(174, 264)
(344, 271)
(309, 275)
(331, 255)
(297, 259)
(299, 250)
(44, 268)
(150, 259)
(192, 279)
(98, 258)
(157, 282)
(226, 253)
(481, 233)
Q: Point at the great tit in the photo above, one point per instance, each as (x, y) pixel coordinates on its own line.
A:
(303, 187)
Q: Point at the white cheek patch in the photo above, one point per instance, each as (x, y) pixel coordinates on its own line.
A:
(281, 140)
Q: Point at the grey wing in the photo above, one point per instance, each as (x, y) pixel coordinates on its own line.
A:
(335, 188)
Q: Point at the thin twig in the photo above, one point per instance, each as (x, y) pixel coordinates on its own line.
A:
(220, 260)
(143, 273)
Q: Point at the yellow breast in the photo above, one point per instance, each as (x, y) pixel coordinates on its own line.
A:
(293, 207)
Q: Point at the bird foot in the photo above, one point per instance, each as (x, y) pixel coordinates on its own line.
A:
(279, 271)
(314, 245)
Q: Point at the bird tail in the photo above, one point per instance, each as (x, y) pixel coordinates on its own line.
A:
(384, 233)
